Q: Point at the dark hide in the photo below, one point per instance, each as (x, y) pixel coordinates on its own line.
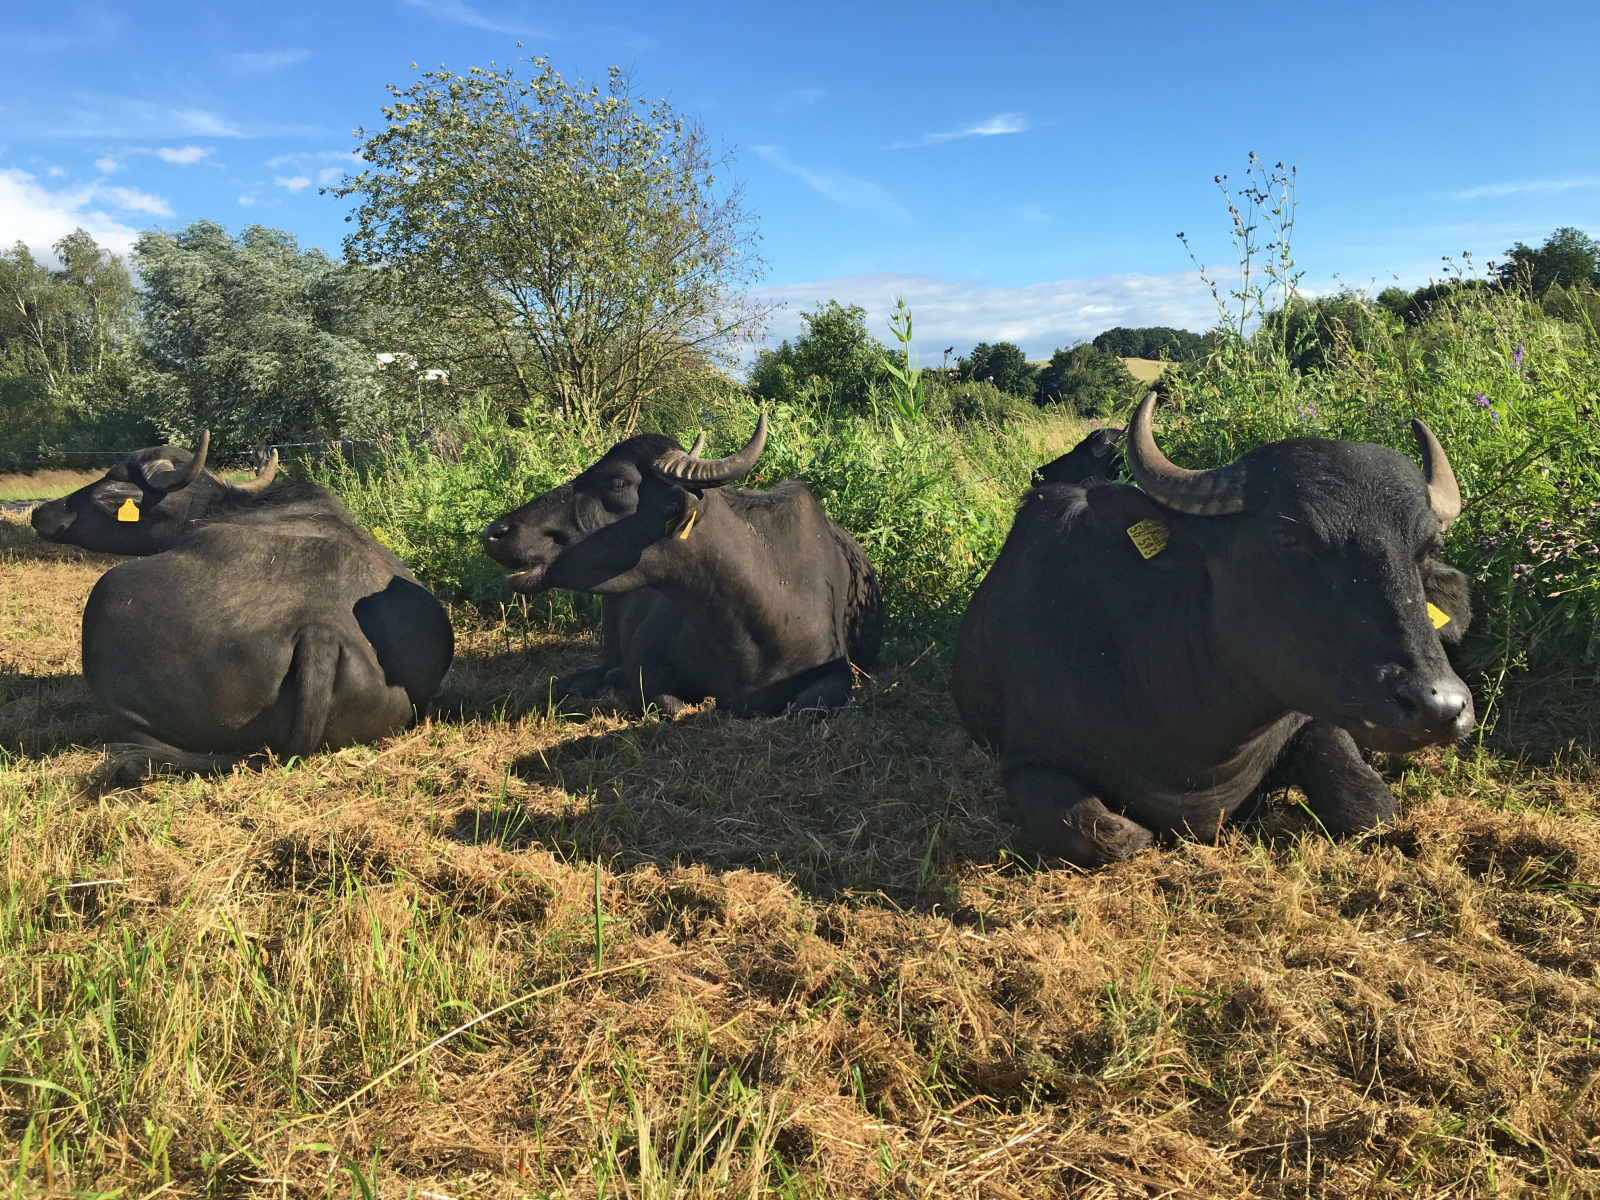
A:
(1126, 694)
(1098, 456)
(257, 621)
(764, 605)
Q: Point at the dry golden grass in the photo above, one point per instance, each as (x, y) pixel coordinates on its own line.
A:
(799, 955)
(1145, 370)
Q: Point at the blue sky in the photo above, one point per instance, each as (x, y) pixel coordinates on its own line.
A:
(1015, 170)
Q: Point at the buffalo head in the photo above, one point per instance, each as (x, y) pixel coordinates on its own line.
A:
(1325, 585)
(143, 504)
(608, 530)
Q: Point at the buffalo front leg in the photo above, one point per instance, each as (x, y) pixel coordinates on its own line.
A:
(1062, 818)
(1342, 791)
(128, 764)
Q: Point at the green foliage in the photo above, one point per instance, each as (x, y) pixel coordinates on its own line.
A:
(256, 340)
(551, 243)
(1313, 332)
(1568, 258)
(834, 360)
(65, 338)
(1086, 380)
(1002, 364)
(1156, 341)
(906, 388)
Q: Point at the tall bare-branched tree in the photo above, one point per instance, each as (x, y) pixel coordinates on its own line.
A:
(555, 242)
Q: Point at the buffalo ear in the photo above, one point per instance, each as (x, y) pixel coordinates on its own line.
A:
(1447, 590)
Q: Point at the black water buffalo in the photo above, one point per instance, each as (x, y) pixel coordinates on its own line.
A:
(1098, 456)
(262, 618)
(1153, 659)
(754, 598)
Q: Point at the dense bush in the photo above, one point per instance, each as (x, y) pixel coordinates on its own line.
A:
(1002, 364)
(1156, 341)
(834, 360)
(1085, 380)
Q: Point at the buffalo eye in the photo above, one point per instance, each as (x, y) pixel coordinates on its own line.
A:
(1282, 537)
(620, 484)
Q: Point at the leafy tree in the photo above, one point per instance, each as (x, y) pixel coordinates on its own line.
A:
(65, 335)
(255, 339)
(835, 349)
(1156, 341)
(1002, 364)
(1415, 307)
(1568, 258)
(554, 242)
(1313, 330)
(1086, 380)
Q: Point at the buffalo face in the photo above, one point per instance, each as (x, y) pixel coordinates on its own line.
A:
(138, 507)
(1326, 588)
(606, 530)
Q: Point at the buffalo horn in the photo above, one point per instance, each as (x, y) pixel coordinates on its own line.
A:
(197, 463)
(1444, 495)
(263, 476)
(699, 445)
(677, 467)
(1202, 493)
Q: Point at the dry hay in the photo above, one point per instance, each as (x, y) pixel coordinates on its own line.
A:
(821, 954)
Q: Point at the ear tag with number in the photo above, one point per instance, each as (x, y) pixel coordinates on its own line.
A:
(1437, 615)
(684, 536)
(129, 510)
(1150, 537)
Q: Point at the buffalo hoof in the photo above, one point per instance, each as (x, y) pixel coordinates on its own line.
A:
(667, 706)
(129, 764)
(585, 684)
(1088, 834)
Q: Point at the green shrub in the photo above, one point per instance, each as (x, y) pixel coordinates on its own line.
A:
(834, 360)
(1086, 380)
(1002, 364)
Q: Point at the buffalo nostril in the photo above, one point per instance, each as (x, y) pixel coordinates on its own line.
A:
(497, 530)
(1431, 704)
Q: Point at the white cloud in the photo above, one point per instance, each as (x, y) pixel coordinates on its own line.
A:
(270, 60)
(329, 176)
(1519, 187)
(183, 156)
(800, 98)
(303, 159)
(1038, 317)
(992, 127)
(39, 217)
(136, 201)
(107, 165)
(55, 172)
(837, 185)
(95, 115)
(294, 183)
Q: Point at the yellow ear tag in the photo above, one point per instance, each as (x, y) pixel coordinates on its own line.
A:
(129, 510)
(1437, 615)
(693, 513)
(1149, 536)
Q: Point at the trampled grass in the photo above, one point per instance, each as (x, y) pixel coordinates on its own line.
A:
(523, 953)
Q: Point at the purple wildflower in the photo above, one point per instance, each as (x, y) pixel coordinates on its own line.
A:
(1516, 355)
(1483, 401)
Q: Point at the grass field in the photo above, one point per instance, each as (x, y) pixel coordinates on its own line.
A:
(711, 957)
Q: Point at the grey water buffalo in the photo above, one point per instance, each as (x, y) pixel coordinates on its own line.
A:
(259, 617)
(755, 598)
(1156, 659)
(1097, 456)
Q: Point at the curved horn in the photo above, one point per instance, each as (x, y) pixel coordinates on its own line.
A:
(1444, 495)
(699, 445)
(263, 476)
(190, 473)
(1203, 493)
(677, 467)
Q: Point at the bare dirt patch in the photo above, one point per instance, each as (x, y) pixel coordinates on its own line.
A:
(803, 956)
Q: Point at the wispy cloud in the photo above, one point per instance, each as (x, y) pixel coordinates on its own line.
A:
(261, 62)
(107, 165)
(1038, 317)
(305, 164)
(39, 217)
(134, 200)
(294, 183)
(96, 115)
(455, 10)
(183, 156)
(1517, 187)
(800, 98)
(837, 186)
(991, 127)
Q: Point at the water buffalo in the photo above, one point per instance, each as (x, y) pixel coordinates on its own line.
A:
(754, 598)
(1096, 457)
(261, 618)
(1153, 659)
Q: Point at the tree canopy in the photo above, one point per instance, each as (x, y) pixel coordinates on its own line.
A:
(1568, 258)
(253, 338)
(1002, 364)
(834, 349)
(554, 242)
(1156, 341)
(1086, 380)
